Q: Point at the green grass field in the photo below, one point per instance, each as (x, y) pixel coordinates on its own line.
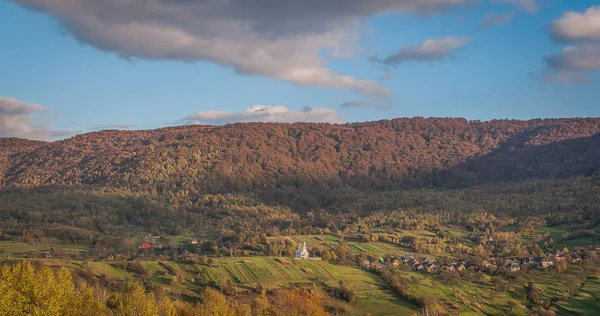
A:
(557, 231)
(373, 296)
(12, 249)
(353, 244)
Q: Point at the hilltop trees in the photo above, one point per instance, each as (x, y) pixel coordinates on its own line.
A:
(186, 161)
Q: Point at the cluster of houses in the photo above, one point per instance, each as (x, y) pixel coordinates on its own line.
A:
(425, 264)
(431, 265)
(151, 241)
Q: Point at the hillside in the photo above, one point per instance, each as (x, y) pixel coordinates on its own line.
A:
(379, 155)
(11, 145)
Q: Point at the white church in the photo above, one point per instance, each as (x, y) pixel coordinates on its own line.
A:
(302, 253)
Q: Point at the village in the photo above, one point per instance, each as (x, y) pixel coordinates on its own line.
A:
(428, 264)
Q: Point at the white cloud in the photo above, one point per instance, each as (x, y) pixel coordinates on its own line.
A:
(279, 39)
(26, 120)
(495, 19)
(265, 113)
(575, 26)
(428, 51)
(574, 61)
(527, 5)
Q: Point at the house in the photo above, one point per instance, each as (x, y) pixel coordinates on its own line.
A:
(194, 241)
(431, 268)
(546, 263)
(449, 268)
(415, 264)
(145, 245)
(535, 260)
(460, 267)
(514, 267)
(486, 264)
(407, 258)
(429, 260)
(302, 252)
(395, 262)
(366, 264)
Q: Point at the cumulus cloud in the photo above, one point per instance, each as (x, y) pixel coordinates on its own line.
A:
(582, 30)
(576, 58)
(576, 27)
(115, 126)
(527, 5)
(429, 51)
(26, 120)
(363, 104)
(281, 39)
(495, 19)
(265, 113)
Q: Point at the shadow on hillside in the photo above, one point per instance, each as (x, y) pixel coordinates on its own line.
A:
(517, 161)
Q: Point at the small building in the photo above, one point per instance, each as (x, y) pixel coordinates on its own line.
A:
(514, 267)
(302, 252)
(395, 262)
(431, 268)
(145, 245)
(365, 264)
(461, 267)
(546, 263)
(194, 241)
(535, 260)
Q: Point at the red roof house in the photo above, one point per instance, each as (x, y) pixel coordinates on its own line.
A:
(145, 245)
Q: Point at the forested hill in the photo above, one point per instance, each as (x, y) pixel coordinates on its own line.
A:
(11, 145)
(378, 155)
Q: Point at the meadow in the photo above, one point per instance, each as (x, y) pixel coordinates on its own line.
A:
(353, 243)
(373, 296)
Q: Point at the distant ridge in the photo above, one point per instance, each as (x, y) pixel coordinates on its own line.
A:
(379, 155)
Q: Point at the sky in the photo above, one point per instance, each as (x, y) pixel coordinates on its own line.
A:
(70, 67)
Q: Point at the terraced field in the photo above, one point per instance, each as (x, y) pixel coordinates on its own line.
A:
(373, 296)
(15, 249)
(353, 243)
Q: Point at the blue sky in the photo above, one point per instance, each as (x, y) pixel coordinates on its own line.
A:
(133, 81)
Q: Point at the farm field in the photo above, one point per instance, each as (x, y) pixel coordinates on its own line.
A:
(485, 296)
(11, 248)
(373, 296)
(352, 243)
(556, 232)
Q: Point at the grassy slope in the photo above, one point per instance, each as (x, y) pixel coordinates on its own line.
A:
(353, 244)
(374, 296)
